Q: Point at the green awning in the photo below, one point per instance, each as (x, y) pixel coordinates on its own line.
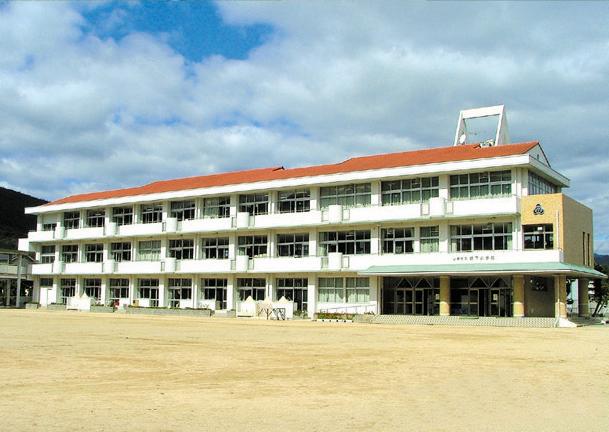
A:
(485, 268)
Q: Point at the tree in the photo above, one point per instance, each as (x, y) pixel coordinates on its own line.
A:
(601, 290)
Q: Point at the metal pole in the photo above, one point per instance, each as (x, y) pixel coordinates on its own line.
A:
(17, 298)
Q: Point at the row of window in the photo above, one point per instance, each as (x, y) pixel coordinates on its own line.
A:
(393, 192)
(353, 242)
(471, 237)
(463, 238)
(330, 289)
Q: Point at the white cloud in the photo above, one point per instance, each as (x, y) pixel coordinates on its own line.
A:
(79, 112)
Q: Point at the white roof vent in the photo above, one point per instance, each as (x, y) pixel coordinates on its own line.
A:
(501, 134)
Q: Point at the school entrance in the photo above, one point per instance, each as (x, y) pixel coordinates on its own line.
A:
(487, 296)
(411, 296)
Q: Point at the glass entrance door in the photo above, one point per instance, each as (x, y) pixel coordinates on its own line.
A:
(411, 296)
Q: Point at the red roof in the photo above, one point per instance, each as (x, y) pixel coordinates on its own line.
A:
(389, 160)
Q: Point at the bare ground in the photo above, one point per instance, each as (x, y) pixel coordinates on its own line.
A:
(77, 371)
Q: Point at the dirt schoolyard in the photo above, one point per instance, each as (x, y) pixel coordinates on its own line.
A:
(82, 371)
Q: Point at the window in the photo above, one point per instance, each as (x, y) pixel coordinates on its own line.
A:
(254, 204)
(149, 250)
(149, 290)
(46, 282)
(215, 289)
(122, 215)
(538, 236)
(294, 201)
(49, 226)
(346, 242)
(293, 245)
(47, 254)
(357, 289)
(71, 220)
(408, 191)
(183, 210)
(430, 239)
(491, 236)
(121, 251)
(253, 246)
(353, 195)
(341, 290)
(481, 185)
(217, 207)
(92, 288)
(331, 290)
(96, 218)
(94, 252)
(179, 289)
(539, 186)
(151, 213)
(255, 287)
(398, 240)
(119, 289)
(67, 289)
(182, 249)
(69, 253)
(295, 290)
(215, 248)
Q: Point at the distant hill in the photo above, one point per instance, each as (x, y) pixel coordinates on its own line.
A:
(14, 224)
(602, 260)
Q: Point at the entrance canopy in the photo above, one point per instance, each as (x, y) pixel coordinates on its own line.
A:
(569, 270)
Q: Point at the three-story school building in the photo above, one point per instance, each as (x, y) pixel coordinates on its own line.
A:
(474, 229)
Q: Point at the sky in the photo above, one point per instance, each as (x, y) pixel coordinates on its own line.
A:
(101, 95)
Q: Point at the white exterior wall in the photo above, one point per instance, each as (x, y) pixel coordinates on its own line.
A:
(439, 211)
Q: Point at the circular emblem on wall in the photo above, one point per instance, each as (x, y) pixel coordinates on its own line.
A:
(538, 210)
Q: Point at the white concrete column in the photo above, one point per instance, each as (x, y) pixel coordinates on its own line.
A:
(232, 246)
(444, 245)
(137, 213)
(272, 202)
(166, 210)
(314, 198)
(312, 295)
(162, 291)
(272, 244)
(375, 235)
(270, 287)
(106, 253)
(104, 290)
(313, 242)
(164, 245)
(517, 237)
(230, 293)
(132, 289)
(444, 186)
(134, 249)
(39, 222)
(374, 293)
(524, 182)
(195, 291)
(234, 205)
(375, 193)
(416, 243)
(107, 216)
